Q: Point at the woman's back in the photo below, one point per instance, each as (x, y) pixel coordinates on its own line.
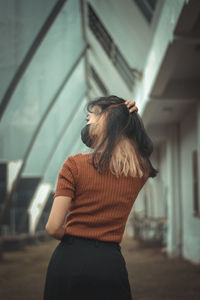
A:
(101, 202)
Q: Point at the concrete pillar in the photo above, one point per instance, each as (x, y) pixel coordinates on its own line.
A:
(174, 209)
(198, 123)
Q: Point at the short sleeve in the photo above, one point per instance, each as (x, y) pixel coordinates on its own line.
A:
(66, 183)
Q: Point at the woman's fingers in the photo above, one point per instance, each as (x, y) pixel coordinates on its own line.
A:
(131, 105)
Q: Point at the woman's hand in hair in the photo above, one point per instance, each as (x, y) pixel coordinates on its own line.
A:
(131, 105)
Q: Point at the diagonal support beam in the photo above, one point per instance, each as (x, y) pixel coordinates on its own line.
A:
(9, 196)
(31, 52)
(56, 143)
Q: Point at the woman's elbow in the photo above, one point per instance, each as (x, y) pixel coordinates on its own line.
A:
(50, 230)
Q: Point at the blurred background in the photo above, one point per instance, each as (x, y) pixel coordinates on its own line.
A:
(55, 56)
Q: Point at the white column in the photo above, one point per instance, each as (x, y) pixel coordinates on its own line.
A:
(174, 210)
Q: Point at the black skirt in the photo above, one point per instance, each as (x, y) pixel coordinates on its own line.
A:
(82, 268)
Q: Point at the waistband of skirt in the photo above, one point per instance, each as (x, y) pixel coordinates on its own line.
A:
(71, 238)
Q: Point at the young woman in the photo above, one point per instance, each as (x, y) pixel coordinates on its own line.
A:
(98, 189)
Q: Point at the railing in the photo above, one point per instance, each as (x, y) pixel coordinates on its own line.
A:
(128, 74)
(147, 8)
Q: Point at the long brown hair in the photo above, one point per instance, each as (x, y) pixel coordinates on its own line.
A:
(120, 139)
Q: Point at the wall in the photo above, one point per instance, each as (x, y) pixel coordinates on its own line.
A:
(122, 19)
(191, 225)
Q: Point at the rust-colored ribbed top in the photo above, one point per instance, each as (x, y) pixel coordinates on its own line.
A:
(101, 202)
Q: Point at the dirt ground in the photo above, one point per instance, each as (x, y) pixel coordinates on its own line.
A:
(152, 275)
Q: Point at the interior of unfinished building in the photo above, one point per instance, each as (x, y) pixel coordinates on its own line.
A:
(57, 56)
